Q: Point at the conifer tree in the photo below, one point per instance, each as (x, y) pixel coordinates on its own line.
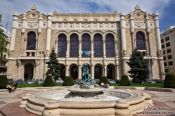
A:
(53, 66)
(3, 43)
(138, 67)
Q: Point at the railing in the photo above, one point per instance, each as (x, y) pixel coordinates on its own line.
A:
(30, 53)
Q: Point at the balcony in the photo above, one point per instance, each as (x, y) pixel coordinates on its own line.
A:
(30, 53)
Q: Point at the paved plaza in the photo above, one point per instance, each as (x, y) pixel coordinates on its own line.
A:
(9, 102)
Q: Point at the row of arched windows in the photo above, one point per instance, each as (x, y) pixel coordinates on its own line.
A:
(86, 44)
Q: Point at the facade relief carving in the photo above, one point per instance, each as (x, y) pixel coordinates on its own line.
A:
(84, 25)
(32, 25)
(139, 25)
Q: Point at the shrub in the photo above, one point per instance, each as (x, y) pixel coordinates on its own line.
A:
(124, 81)
(3, 81)
(49, 81)
(68, 81)
(169, 81)
(104, 80)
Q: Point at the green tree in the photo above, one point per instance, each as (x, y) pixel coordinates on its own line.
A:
(138, 67)
(3, 43)
(53, 66)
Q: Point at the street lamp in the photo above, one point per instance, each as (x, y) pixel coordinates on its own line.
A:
(150, 69)
(44, 54)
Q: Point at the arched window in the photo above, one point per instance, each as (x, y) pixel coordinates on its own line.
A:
(110, 46)
(86, 45)
(140, 41)
(74, 45)
(31, 41)
(98, 45)
(62, 45)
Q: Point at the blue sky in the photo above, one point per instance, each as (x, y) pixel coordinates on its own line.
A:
(166, 8)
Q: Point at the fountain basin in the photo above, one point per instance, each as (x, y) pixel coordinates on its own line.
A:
(86, 92)
(112, 102)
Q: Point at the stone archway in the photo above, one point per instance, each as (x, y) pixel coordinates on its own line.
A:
(98, 71)
(74, 71)
(28, 72)
(111, 71)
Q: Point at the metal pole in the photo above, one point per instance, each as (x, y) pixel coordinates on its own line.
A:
(44, 66)
(150, 71)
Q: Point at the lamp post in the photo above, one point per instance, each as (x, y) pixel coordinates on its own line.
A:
(150, 70)
(44, 54)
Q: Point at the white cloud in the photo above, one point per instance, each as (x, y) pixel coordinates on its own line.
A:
(45, 6)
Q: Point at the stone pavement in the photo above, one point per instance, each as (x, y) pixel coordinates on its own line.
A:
(164, 103)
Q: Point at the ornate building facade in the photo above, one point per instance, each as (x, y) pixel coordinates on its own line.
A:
(105, 41)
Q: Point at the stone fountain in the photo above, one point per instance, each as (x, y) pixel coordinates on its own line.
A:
(86, 99)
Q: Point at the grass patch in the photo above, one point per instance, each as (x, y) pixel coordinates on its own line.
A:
(33, 85)
(29, 85)
(158, 85)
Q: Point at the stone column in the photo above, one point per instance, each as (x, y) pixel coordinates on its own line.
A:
(67, 70)
(157, 33)
(123, 37)
(49, 25)
(37, 63)
(117, 75)
(105, 70)
(159, 49)
(148, 35)
(80, 46)
(39, 33)
(123, 40)
(79, 72)
(161, 67)
(14, 25)
(92, 47)
(68, 48)
(24, 26)
(116, 50)
(132, 30)
(92, 71)
(104, 47)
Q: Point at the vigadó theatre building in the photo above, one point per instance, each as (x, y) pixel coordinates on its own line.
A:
(104, 41)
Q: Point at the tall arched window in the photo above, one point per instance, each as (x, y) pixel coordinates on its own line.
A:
(110, 46)
(86, 45)
(98, 45)
(62, 45)
(31, 41)
(140, 41)
(74, 45)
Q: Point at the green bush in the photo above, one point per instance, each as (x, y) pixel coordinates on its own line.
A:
(104, 80)
(68, 81)
(124, 81)
(49, 81)
(3, 81)
(169, 81)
